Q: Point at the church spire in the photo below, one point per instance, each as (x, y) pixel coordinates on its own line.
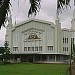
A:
(57, 19)
(73, 20)
(9, 18)
(74, 13)
(57, 16)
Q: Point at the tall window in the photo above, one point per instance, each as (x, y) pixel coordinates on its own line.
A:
(15, 48)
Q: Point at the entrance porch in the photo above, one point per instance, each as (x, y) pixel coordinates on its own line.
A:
(39, 58)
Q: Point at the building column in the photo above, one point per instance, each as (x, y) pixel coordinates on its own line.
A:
(47, 57)
(55, 58)
(20, 58)
(41, 58)
(33, 58)
(13, 60)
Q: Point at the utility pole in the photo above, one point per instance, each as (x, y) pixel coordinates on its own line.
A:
(71, 56)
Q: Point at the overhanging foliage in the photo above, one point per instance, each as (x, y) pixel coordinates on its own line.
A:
(34, 8)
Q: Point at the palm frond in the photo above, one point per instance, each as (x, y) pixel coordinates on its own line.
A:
(34, 7)
(61, 4)
(4, 7)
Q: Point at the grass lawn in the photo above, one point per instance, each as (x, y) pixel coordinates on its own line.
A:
(33, 69)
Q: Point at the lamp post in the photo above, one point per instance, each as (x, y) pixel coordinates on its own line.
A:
(71, 56)
(70, 63)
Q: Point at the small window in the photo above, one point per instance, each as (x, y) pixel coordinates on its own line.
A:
(40, 48)
(25, 48)
(15, 48)
(32, 48)
(67, 48)
(63, 48)
(50, 47)
(72, 39)
(28, 48)
(36, 48)
(65, 40)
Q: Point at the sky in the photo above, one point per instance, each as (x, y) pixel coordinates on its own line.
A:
(19, 11)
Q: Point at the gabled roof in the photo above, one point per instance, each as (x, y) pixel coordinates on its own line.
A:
(34, 20)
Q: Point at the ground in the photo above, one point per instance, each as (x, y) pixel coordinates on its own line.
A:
(73, 69)
(33, 69)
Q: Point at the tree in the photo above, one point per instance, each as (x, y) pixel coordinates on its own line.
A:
(34, 8)
(1, 53)
(4, 52)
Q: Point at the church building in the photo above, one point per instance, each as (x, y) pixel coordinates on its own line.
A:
(39, 41)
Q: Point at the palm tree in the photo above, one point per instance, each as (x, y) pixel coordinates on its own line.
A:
(34, 8)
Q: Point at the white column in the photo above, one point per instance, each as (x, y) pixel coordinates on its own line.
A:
(41, 57)
(55, 58)
(47, 57)
(33, 58)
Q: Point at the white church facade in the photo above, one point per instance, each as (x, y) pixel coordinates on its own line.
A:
(39, 41)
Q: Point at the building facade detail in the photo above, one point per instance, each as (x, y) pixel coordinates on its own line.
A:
(39, 41)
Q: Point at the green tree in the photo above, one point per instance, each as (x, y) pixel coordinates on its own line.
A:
(1, 53)
(34, 8)
(4, 52)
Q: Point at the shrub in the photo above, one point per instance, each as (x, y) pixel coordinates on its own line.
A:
(1, 62)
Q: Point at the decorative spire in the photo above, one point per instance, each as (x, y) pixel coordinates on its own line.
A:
(57, 16)
(9, 19)
(74, 13)
(15, 20)
(9, 16)
(73, 20)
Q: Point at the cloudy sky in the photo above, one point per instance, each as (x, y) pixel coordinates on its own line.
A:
(48, 12)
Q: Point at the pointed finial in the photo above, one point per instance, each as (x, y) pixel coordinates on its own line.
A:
(74, 13)
(15, 20)
(57, 16)
(10, 16)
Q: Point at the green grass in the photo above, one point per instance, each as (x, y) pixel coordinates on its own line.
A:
(33, 69)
